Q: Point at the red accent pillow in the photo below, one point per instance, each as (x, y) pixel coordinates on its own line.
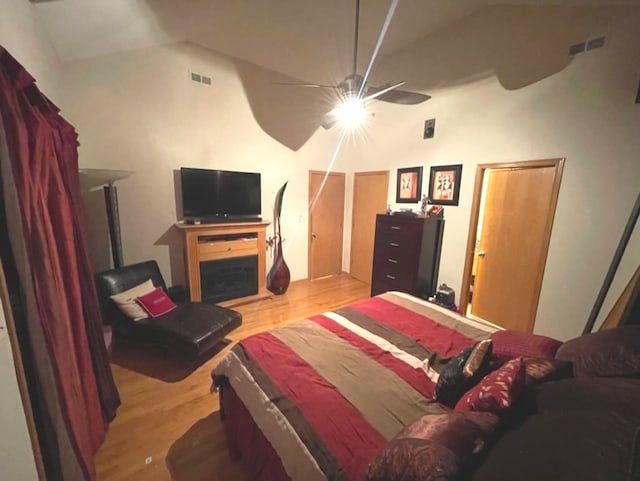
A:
(497, 391)
(512, 344)
(156, 302)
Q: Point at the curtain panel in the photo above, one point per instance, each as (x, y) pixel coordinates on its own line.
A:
(43, 157)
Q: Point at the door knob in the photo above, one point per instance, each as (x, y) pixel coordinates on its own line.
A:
(313, 235)
(481, 253)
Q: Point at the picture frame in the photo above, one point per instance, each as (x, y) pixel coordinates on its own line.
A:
(444, 184)
(409, 185)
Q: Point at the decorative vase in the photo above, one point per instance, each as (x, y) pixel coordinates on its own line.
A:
(279, 276)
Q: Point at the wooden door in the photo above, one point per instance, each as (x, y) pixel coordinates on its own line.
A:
(326, 223)
(370, 191)
(512, 246)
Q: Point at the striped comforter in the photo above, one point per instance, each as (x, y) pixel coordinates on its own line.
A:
(328, 392)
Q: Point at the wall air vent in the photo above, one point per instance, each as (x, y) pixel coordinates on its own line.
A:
(595, 43)
(577, 48)
(201, 79)
(592, 44)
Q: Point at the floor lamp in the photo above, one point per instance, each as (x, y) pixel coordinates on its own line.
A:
(93, 179)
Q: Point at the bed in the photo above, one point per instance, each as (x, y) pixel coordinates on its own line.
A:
(350, 395)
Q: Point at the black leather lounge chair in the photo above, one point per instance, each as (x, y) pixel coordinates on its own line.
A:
(192, 329)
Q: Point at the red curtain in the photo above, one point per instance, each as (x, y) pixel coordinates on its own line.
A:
(44, 162)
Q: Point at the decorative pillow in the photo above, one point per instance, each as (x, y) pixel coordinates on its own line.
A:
(126, 300)
(462, 371)
(156, 302)
(610, 353)
(480, 355)
(512, 344)
(436, 447)
(497, 391)
(538, 369)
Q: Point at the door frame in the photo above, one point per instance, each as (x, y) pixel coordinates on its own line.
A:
(310, 215)
(481, 169)
(353, 198)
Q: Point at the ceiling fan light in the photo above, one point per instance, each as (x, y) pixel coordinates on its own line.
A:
(351, 113)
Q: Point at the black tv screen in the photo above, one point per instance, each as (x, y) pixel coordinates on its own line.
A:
(220, 195)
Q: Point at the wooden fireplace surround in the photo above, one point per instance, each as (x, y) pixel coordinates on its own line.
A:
(207, 242)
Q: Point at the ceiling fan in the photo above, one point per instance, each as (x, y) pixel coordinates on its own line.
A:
(354, 89)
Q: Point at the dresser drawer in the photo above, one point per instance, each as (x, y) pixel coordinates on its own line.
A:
(402, 253)
(393, 242)
(391, 268)
(397, 236)
(397, 268)
(224, 249)
(406, 227)
(393, 279)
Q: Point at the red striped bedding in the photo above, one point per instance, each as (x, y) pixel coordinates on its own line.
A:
(327, 393)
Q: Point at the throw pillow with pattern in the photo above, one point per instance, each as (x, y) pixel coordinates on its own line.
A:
(497, 391)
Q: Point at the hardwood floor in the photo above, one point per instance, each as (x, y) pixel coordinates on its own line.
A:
(168, 426)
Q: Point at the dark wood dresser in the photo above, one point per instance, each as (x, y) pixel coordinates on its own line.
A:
(406, 254)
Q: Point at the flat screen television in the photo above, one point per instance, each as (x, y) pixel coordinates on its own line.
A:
(220, 195)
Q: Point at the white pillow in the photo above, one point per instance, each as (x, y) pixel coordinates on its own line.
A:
(126, 300)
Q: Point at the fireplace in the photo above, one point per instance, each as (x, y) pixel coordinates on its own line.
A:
(230, 278)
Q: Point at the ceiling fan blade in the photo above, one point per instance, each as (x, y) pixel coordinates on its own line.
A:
(374, 92)
(404, 97)
(328, 120)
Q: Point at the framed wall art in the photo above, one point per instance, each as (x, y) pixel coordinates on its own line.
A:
(409, 185)
(444, 184)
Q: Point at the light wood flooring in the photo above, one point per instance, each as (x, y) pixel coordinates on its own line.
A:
(168, 426)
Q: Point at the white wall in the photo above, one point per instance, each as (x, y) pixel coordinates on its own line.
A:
(23, 37)
(504, 89)
(16, 456)
(583, 111)
(140, 111)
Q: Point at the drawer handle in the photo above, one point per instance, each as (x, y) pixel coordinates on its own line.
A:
(390, 277)
(393, 244)
(395, 227)
(393, 261)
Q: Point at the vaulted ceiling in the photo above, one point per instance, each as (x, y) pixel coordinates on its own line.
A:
(430, 44)
(311, 40)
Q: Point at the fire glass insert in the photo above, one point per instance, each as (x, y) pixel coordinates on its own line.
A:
(231, 278)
